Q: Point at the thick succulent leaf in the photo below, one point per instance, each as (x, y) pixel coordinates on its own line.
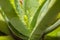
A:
(13, 4)
(13, 17)
(16, 33)
(30, 7)
(46, 19)
(13, 30)
(3, 25)
(54, 35)
(34, 20)
(19, 8)
(52, 27)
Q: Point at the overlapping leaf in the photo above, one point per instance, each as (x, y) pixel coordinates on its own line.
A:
(37, 17)
(30, 7)
(13, 17)
(45, 20)
(3, 25)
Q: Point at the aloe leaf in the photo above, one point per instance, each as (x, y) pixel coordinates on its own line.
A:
(19, 8)
(16, 33)
(30, 7)
(34, 20)
(13, 4)
(3, 25)
(13, 30)
(52, 27)
(54, 35)
(46, 19)
(13, 17)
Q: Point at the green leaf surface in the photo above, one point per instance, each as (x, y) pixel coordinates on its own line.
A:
(54, 35)
(34, 20)
(3, 25)
(30, 7)
(16, 33)
(13, 17)
(46, 19)
(52, 27)
(18, 8)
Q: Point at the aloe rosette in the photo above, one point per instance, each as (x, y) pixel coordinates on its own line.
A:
(30, 20)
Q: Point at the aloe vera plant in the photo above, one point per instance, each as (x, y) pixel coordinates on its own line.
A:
(30, 19)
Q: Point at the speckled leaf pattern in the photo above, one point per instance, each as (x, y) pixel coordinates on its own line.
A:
(13, 17)
(30, 19)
